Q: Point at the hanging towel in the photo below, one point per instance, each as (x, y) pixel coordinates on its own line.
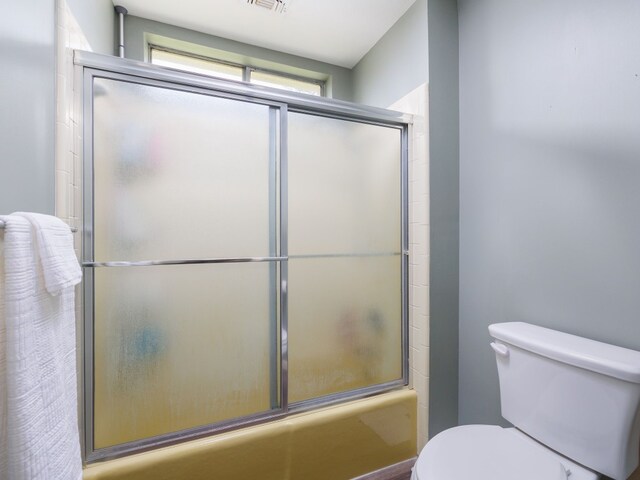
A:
(39, 437)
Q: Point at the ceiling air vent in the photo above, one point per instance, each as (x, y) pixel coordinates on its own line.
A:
(278, 6)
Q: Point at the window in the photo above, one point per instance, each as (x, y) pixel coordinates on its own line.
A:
(195, 64)
(245, 258)
(216, 68)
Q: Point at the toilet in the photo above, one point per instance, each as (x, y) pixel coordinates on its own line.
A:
(574, 404)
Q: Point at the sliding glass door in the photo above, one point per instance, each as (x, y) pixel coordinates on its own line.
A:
(345, 295)
(184, 186)
(245, 256)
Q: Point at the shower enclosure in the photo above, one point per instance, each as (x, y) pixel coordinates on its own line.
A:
(245, 253)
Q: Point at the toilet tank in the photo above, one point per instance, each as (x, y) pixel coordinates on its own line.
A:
(577, 396)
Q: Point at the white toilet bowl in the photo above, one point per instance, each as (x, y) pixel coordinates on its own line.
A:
(575, 403)
(489, 452)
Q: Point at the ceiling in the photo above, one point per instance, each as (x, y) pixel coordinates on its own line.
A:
(339, 32)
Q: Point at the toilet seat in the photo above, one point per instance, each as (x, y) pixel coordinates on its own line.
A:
(485, 452)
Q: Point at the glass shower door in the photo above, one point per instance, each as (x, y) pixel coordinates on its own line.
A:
(345, 256)
(186, 329)
(245, 255)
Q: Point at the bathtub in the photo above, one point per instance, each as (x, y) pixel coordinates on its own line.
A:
(333, 443)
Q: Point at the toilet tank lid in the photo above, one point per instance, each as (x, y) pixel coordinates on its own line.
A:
(618, 362)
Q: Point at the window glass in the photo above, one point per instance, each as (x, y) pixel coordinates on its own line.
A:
(195, 64)
(211, 67)
(286, 83)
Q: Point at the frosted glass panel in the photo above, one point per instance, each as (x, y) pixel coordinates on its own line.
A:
(344, 186)
(181, 346)
(344, 324)
(179, 175)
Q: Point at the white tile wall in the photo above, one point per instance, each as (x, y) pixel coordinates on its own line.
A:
(69, 144)
(415, 103)
(68, 126)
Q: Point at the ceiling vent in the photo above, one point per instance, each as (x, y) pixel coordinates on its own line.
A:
(278, 6)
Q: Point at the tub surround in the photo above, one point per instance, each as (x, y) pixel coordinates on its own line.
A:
(415, 103)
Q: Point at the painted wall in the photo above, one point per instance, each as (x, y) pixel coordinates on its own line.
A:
(549, 177)
(397, 64)
(136, 27)
(444, 213)
(28, 96)
(97, 19)
(27, 113)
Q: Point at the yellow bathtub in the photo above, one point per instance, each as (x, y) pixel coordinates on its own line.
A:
(333, 443)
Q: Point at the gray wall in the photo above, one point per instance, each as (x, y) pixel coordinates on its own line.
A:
(549, 177)
(444, 214)
(27, 112)
(27, 90)
(97, 20)
(136, 27)
(397, 64)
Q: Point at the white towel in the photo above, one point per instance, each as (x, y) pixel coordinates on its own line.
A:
(39, 437)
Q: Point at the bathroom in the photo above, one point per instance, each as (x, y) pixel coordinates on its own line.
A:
(523, 171)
